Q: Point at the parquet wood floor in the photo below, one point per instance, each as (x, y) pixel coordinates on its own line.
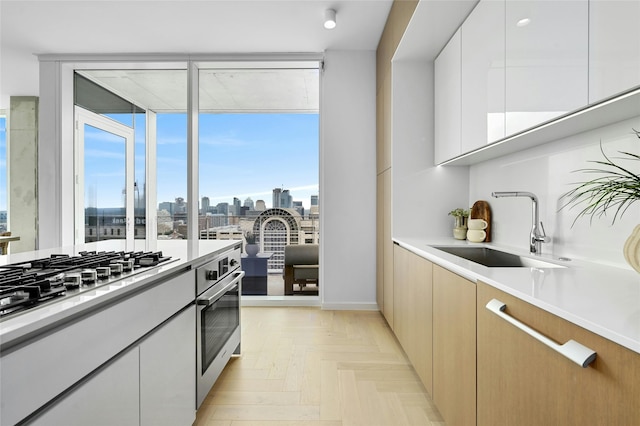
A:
(309, 367)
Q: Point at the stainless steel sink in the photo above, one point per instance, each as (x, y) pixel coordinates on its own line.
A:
(495, 258)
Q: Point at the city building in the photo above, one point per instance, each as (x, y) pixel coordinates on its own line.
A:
(278, 227)
(222, 208)
(276, 198)
(205, 205)
(249, 203)
(221, 232)
(282, 198)
(168, 206)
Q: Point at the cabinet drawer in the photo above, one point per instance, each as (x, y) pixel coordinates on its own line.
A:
(522, 381)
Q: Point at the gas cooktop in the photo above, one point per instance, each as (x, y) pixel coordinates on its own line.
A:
(25, 285)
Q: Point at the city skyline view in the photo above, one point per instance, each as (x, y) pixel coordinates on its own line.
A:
(242, 155)
(274, 151)
(267, 199)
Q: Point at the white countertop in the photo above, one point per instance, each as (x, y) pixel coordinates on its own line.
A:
(602, 299)
(184, 255)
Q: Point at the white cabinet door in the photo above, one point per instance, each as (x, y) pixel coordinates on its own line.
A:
(447, 101)
(546, 60)
(483, 75)
(111, 397)
(168, 373)
(614, 47)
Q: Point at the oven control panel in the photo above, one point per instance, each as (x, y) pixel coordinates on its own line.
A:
(216, 269)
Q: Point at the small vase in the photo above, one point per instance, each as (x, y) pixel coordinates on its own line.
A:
(252, 249)
(460, 228)
(632, 249)
(460, 233)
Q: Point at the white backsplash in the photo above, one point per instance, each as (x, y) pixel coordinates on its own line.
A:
(547, 171)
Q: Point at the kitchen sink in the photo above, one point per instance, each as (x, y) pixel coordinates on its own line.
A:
(495, 258)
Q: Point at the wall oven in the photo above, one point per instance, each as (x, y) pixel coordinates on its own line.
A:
(218, 289)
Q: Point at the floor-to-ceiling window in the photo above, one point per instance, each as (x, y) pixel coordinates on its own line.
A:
(3, 172)
(258, 150)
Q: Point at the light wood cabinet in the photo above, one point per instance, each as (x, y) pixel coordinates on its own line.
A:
(447, 99)
(523, 382)
(384, 252)
(483, 71)
(454, 347)
(383, 125)
(413, 297)
(380, 242)
(546, 60)
(614, 47)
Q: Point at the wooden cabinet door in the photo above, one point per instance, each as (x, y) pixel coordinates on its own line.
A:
(454, 347)
(523, 382)
(385, 247)
(413, 310)
(448, 100)
(383, 125)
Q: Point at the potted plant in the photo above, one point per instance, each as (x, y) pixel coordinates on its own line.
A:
(614, 190)
(460, 226)
(251, 248)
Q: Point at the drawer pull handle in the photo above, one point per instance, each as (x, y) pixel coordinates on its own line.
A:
(573, 350)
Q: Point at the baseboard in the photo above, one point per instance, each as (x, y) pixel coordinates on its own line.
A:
(280, 301)
(306, 301)
(350, 306)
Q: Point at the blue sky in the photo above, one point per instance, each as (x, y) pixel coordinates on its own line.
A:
(241, 155)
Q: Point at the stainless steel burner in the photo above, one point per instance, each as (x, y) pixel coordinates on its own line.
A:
(25, 285)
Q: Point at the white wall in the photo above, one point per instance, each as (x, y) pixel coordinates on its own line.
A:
(423, 194)
(18, 75)
(546, 171)
(348, 180)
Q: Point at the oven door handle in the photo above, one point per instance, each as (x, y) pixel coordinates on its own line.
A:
(208, 300)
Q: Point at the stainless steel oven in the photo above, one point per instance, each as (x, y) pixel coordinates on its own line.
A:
(218, 287)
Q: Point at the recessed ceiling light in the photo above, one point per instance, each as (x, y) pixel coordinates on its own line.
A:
(329, 19)
(523, 22)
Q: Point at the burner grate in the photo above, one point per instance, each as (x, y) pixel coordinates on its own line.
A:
(26, 284)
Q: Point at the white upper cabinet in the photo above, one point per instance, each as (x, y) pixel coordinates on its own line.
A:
(483, 75)
(614, 47)
(546, 60)
(447, 101)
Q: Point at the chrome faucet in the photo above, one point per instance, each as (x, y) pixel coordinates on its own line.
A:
(537, 235)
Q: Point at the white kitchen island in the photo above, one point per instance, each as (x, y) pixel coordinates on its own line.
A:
(118, 354)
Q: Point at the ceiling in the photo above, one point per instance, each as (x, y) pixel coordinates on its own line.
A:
(233, 90)
(190, 28)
